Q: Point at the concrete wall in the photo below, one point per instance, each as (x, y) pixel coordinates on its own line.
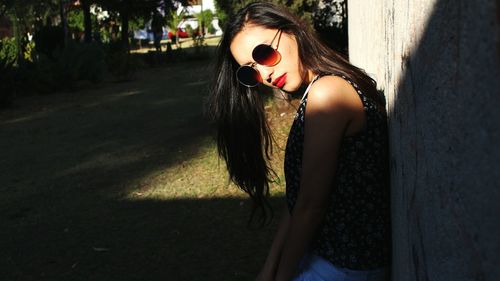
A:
(438, 64)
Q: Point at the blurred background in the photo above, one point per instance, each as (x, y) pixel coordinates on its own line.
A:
(59, 44)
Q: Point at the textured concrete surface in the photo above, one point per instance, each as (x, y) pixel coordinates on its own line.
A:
(437, 62)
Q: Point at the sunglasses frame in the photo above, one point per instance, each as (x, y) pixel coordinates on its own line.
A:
(252, 65)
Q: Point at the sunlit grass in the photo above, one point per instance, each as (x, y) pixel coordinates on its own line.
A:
(205, 175)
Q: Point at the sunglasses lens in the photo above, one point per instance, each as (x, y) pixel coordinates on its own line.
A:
(248, 76)
(266, 55)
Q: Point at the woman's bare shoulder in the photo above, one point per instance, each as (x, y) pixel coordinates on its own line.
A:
(333, 93)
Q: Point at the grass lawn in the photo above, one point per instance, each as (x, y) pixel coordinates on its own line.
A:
(122, 182)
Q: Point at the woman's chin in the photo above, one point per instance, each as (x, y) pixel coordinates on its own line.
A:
(290, 88)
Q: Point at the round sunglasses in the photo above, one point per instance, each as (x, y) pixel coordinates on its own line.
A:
(262, 54)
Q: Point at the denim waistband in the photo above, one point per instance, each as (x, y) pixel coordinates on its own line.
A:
(326, 270)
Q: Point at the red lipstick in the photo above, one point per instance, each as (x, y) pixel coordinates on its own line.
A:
(280, 81)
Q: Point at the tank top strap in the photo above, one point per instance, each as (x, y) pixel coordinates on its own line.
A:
(367, 103)
(353, 84)
(309, 87)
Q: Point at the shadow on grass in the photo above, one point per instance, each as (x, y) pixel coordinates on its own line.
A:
(105, 140)
(135, 240)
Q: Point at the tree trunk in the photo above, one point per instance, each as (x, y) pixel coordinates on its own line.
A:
(18, 37)
(87, 21)
(437, 62)
(125, 18)
(63, 20)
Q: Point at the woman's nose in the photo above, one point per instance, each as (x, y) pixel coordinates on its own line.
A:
(265, 72)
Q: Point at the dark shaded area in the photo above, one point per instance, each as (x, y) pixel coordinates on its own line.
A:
(335, 38)
(445, 127)
(122, 240)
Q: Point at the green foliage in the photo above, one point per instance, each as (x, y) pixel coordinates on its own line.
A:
(29, 51)
(130, 10)
(25, 16)
(8, 51)
(222, 16)
(330, 21)
(211, 29)
(205, 18)
(75, 20)
(302, 8)
(198, 40)
(173, 20)
(133, 8)
(191, 32)
(136, 23)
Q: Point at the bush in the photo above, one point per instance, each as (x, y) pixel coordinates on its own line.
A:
(63, 68)
(29, 51)
(211, 29)
(122, 65)
(93, 67)
(44, 73)
(7, 83)
(39, 75)
(8, 57)
(8, 50)
(198, 40)
(75, 62)
(48, 39)
(190, 31)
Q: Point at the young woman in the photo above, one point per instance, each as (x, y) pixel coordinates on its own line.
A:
(337, 222)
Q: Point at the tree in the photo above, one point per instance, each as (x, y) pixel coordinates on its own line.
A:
(128, 10)
(204, 19)
(173, 20)
(330, 20)
(329, 17)
(25, 16)
(87, 20)
(303, 8)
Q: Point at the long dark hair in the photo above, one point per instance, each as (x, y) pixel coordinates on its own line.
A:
(244, 139)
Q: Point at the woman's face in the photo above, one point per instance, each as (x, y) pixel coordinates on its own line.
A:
(286, 73)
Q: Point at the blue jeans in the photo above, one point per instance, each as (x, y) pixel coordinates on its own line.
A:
(315, 268)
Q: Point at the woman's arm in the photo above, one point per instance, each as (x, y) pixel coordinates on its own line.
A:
(331, 106)
(269, 269)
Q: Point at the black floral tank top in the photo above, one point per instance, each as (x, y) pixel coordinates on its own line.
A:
(355, 233)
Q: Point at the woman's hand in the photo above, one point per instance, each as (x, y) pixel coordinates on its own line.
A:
(269, 268)
(265, 275)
